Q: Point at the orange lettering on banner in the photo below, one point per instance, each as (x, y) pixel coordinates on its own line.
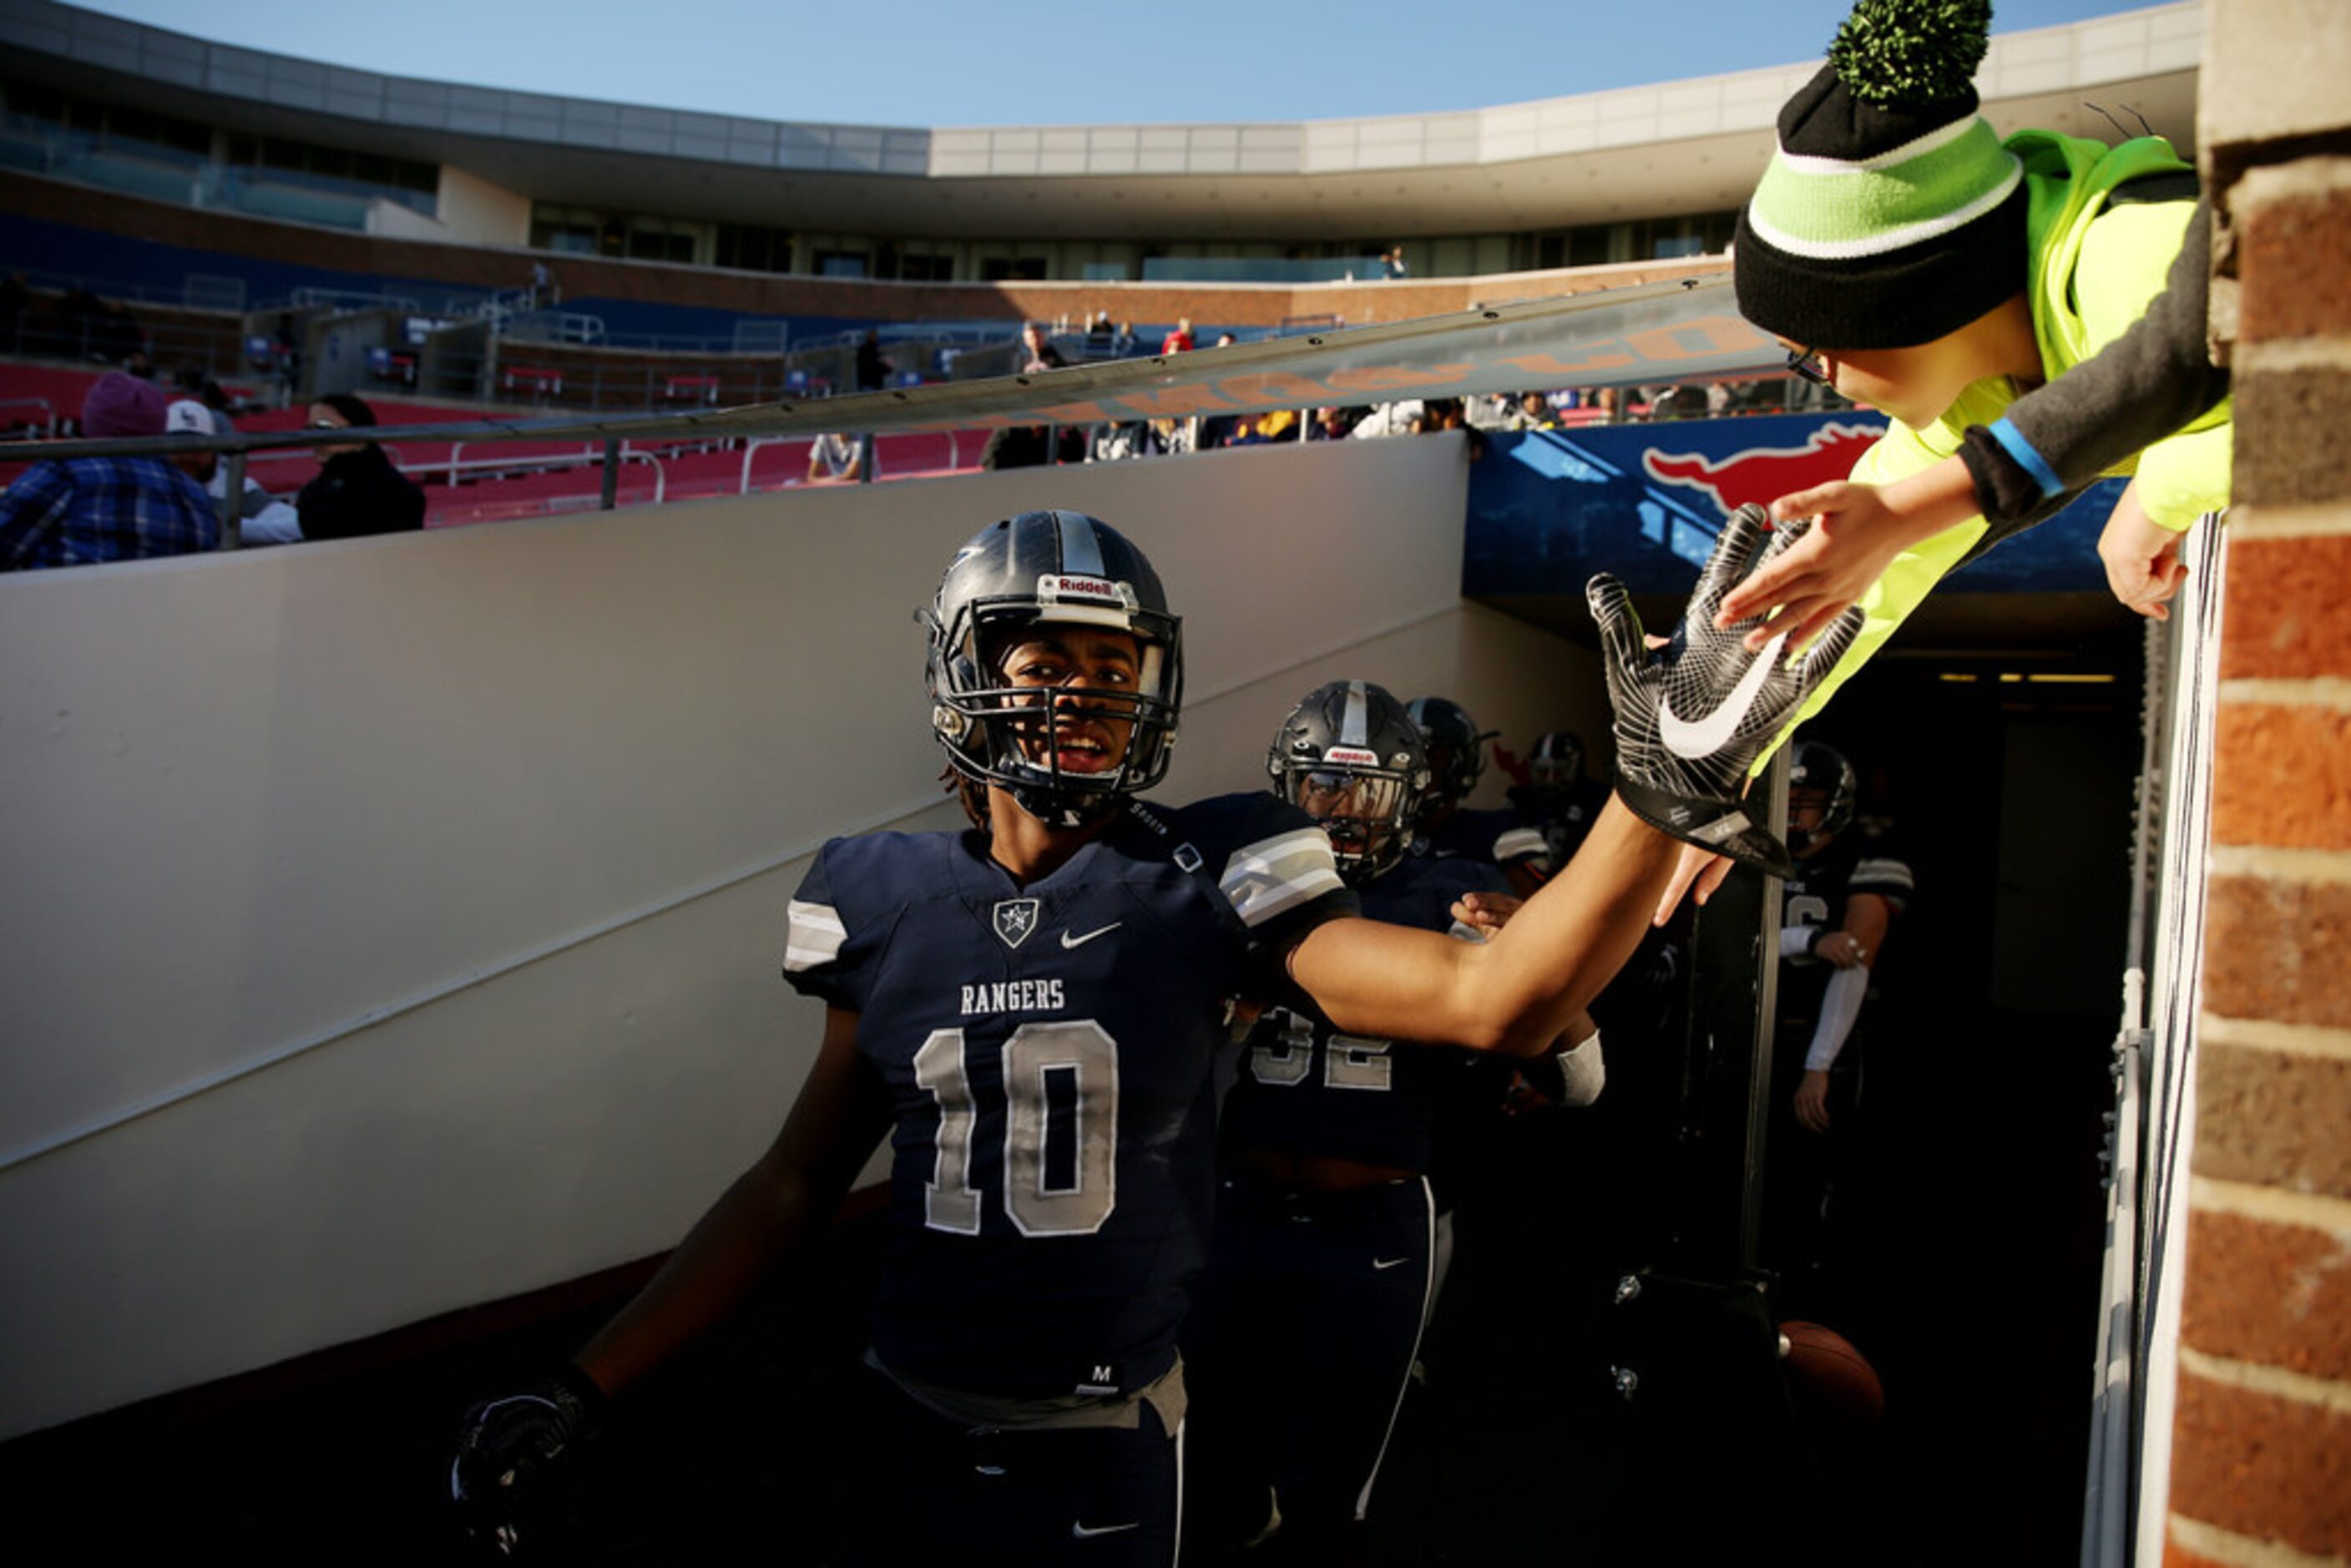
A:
(1074, 413)
(1712, 335)
(1275, 389)
(1174, 402)
(1395, 378)
(1550, 365)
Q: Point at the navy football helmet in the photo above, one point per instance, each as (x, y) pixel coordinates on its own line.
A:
(1351, 758)
(1456, 750)
(1048, 568)
(1557, 758)
(1821, 772)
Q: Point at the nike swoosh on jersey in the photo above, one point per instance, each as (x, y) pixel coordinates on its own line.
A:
(1388, 1262)
(1698, 737)
(1081, 1530)
(1068, 941)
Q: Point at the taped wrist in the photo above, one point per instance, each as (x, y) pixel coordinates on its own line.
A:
(1583, 1073)
(1720, 825)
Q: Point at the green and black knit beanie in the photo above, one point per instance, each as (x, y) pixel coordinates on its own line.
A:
(1890, 215)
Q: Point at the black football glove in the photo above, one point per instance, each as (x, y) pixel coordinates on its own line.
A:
(505, 1445)
(1693, 715)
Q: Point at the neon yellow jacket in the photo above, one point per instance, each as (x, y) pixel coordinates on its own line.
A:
(2093, 271)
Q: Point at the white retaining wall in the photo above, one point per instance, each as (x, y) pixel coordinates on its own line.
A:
(392, 925)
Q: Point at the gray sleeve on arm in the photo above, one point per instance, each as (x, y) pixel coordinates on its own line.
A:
(2135, 392)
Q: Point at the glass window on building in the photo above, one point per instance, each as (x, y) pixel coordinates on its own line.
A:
(659, 243)
(754, 248)
(1013, 269)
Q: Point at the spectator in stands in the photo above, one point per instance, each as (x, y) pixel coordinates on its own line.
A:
(873, 367)
(1018, 446)
(1180, 340)
(837, 459)
(542, 286)
(358, 491)
(263, 518)
(1533, 412)
(1398, 418)
(86, 510)
(1334, 424)
(1036, 352)
(1129, 438)
(1392, 263)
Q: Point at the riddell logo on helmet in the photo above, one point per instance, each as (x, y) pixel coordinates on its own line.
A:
(1353, 756)
(1057, 586)
(1761, 475)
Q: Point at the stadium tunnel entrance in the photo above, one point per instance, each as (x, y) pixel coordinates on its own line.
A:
(1996, 742)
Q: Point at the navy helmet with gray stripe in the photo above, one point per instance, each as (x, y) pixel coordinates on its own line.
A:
(1045, 569)
(1457, 748)
(1351, 756)
(1822, 768)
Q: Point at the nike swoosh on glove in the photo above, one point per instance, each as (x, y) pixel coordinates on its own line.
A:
(1693, 715)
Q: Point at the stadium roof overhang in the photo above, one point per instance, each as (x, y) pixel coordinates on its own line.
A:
(1642, 152)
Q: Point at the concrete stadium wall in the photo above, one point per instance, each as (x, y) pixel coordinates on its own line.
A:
(393, 924)
(462, 265)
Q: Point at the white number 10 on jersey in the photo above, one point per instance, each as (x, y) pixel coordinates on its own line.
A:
(1061, 1129)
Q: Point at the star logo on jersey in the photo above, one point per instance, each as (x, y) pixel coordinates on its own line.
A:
(1015, 919)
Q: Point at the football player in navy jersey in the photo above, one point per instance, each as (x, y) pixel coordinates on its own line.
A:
(1457, 760)
(1555, 798)
(1028, 1011)
(1321, 1265)
(1835, 914)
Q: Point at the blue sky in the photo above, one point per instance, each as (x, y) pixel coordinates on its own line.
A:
(1044, 62)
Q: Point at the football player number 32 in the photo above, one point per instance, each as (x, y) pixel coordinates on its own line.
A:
(1061, 1129)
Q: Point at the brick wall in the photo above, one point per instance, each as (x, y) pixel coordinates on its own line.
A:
(2262, 1435)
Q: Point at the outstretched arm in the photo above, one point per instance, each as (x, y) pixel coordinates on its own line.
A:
(1690, 717)
(507, 1446)
(772, 1209)
(1515, 992)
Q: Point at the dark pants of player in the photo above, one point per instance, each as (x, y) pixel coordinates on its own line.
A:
(992, 1496)
(1802, 1235)
(1298, 1354)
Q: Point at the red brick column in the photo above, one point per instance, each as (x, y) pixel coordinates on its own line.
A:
(2262, 1435)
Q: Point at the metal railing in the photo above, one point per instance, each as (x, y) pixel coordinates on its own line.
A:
(48, 408)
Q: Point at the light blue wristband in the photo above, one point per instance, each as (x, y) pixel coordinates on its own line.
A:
(2011, 441)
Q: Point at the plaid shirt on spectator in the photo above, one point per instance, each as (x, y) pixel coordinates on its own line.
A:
(93, 509)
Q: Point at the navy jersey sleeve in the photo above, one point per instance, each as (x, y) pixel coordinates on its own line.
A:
(822, 957)
(1276, 870)
(1882, 870)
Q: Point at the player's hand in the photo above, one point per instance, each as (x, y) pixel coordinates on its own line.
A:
(1812, 1102)
(508, 1446)
(2141, 558)
(1692, 716)
(1700, 869)
(1853, 537)
(1485, 912)
(1856, 532)
(1842, 948)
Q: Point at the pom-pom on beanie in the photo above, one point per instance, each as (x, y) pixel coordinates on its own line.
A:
(1890, 214)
